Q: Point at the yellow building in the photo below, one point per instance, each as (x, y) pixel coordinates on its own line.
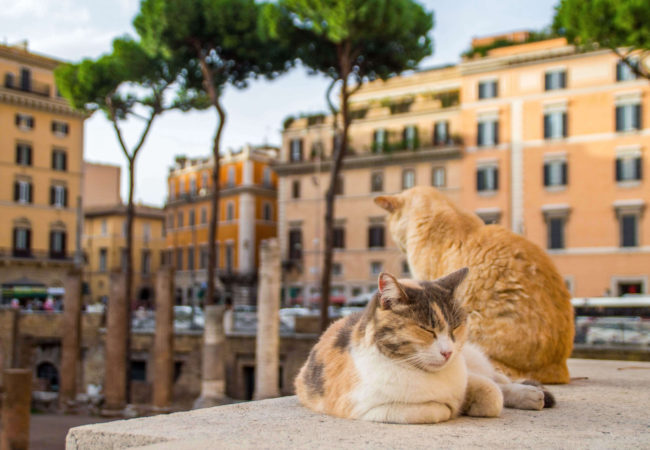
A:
(41, 151)
(540, 137)
(104, 245)
(247, 215)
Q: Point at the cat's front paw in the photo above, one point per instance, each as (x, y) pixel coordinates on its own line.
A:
(483, 398)
(524, 397)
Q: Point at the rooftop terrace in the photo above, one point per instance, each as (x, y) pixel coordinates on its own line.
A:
(606, 406)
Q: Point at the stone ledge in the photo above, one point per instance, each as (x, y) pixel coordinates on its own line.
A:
(608, 409)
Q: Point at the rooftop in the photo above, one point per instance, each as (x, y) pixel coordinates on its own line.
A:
(604, 407)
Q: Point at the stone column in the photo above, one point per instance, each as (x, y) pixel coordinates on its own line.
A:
(267, 345)
(116, 341)
(163, 350)
(213, 383)
(15, 409)
(71, 340)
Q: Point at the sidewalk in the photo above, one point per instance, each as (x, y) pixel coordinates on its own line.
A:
(610, 409)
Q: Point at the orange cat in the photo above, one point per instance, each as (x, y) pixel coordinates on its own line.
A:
(520, 310)
(404, 359)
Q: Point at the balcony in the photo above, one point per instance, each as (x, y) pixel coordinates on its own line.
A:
(13, 81)
(14, 255)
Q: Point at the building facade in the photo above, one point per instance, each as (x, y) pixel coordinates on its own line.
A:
(104, 245)
(539, 137)
(247, 215)
(41, 151)
(101, 185)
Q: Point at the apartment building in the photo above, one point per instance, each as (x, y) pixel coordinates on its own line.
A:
(539, 137)
(104, 246)
(247, 215)
(41, 150)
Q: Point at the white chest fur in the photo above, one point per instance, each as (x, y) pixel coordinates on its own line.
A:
(383, 381)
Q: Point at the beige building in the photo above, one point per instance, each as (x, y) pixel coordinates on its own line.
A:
(247, 215)
(539, 137)
(41, 151)
(101, 184)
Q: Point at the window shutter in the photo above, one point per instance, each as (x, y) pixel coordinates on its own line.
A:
(479, 139)
(52, 241)
(480, 182)
(18, 161)
(547, 126)
(547, 81)
(369, 237)
(495, 89)
(565, 173)
(53, 127)
(17, 119)
(481, 90)
(15, 245)
(29, 190)
(565, 125)
(619, 71)
(29, 155)
(496, 132)
(28, 240)
(447, 137)
(63, 243)
(66, 128)
(496, 178)
(637, 117)
(16, 191)
(30, 122)
(619, 118)
(54, 160)
(65, 197)
(546, 174)
(619, 169)
(563, 80)
(64, 160)
(639, 170)
(52, 195)
(435, 134)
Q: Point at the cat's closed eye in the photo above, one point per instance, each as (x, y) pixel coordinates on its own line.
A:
(428, 330)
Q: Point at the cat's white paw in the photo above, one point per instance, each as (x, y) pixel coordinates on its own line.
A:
(522, 396)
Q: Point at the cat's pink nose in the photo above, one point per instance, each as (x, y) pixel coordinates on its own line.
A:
(446, 355)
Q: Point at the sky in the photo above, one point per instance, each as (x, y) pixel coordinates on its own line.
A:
(74, 29)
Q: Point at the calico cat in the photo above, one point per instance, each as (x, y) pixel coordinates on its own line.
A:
(404, 359)
(519, 307)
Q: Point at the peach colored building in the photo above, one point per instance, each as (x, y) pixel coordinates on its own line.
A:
(539, 137)
(101, 185)
(247, 214)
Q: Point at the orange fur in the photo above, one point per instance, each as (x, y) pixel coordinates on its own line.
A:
(519, 308)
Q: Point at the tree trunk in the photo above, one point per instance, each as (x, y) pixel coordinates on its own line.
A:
(337, 163)
(128, 279)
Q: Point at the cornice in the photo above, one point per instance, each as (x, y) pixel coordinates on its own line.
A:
(35, 101)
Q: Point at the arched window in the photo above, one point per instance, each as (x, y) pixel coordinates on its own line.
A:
(22, 238)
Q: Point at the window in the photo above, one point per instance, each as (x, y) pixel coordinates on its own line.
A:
(25, 79)
(295, 189)
(181, 187)
(410, 137)
(487, 133)
(629, 287)
(191, 219)
(438, 177)
(124, 228)
(104, 227)
(179, 221)
(24, 154)
(22, 241)
(316, 150)
(60, 128)
(629, 230)
(190, 258)
(193, 186)
(57, 244)
(267, 212)
(487, 89)
(231, 176)
(441, 133)
(59, 160)
(405, 268)
(555, 125)
(295, 244)
(25, 121)
(376, 182)
(266, 178)
(628, 167)
(555, 238)
(172, 190)
(555, 80)
(337, 269)
(145, 261)
(339, 237)
(230, 211)
(295, 150)
(376, 267)
(555, 173)
(204, 216)
(628, 117)
(489, 216)
(376, 236)
(23, 191)
(59, 196)
(379, 141)
(146, 231)
(204, 180)
(103, 254)
(230, 256)
(203, 257)
(408, 178)
(624, 72)
(338, 187)
(487, 178)
(179, 259)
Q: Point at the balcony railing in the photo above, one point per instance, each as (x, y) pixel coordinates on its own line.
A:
(13, 81)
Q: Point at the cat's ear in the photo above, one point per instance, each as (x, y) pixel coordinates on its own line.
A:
(390, 291)
(451, 281)
(390, 203)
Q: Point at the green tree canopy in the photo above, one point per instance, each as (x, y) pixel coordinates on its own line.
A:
(620, 25)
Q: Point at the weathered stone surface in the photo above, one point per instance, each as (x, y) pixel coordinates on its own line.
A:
(15, 409)
(606, 410)
(164, 341)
